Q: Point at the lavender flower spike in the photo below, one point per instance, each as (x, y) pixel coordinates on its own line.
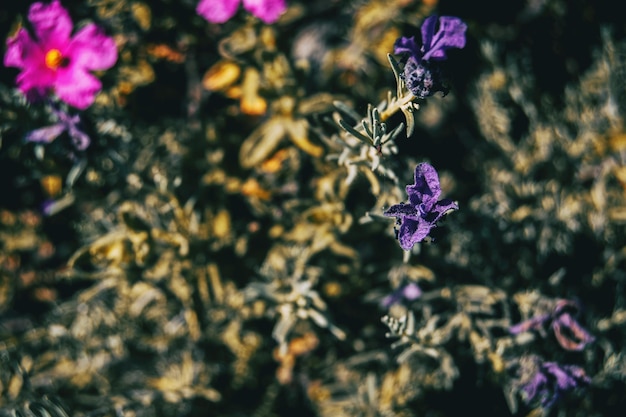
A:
(66, 122)
(417, 217)
(422, 73)
(549, 381)
(451, 34)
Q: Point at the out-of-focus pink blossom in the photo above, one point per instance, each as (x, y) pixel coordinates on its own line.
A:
(568, 332)
(220, 11)
(407, 292)
(52, 60)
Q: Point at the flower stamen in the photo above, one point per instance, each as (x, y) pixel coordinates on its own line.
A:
(55, 59)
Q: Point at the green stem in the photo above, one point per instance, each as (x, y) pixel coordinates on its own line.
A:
(396, 105)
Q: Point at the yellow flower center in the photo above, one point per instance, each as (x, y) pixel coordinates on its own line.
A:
(54, 59)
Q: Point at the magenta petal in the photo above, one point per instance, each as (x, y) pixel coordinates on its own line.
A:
(91, 49)
(52, 24)
(19, 48)
(267, 10)
(13, 55)
(23, 52)
(570, 334)
(217, 11)
(77, 87)
(36, 78)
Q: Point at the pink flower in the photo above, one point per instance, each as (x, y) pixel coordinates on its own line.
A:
(220, 11)
(568, 332)
(52, 60)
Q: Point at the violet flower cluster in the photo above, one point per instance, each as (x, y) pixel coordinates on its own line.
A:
(423, 210)
(65, 123)
(407, 292)
(220, 11)
(568, 332)
(549, 381)
(51, 60)
(422, 73)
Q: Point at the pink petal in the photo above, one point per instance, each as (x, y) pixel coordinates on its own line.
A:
(217, 11)
(52, 24)
(92, 49)
(570, 334)
(23, 52)
(76, 86)
(35, 79)
(412, 291)
(267, 10)
(19, 48)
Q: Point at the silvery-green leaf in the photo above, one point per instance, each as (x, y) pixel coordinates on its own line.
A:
(409, 115)
(346, 110)
(355, 132)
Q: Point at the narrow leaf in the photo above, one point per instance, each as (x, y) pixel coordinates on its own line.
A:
(355, 132)
(346, 110)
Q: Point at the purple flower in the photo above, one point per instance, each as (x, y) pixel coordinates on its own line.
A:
(422, 73)
(568, 332)
(50, 207)
(410, 292)
(220, 11)
(417, 217)
(51, 60)
(66, 123)
(548, 381)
